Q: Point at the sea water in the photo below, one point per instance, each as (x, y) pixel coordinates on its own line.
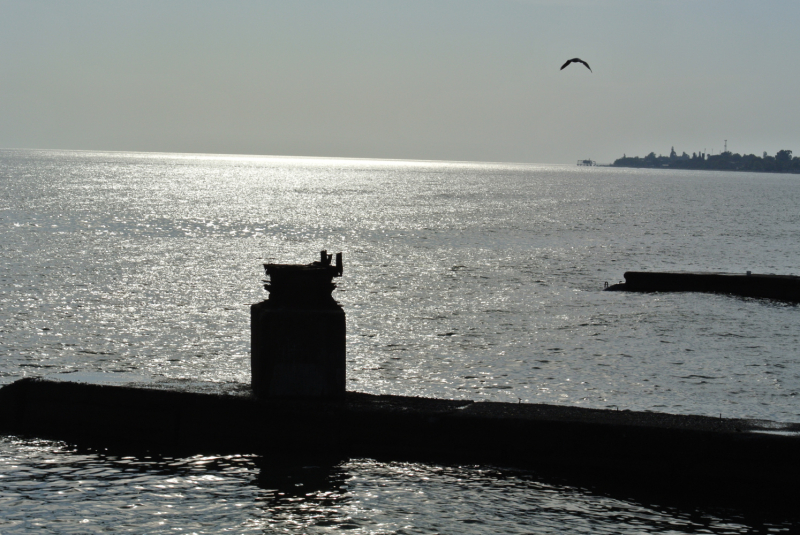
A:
(462, 280)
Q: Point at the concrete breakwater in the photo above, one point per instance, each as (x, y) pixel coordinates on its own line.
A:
(745, 462)
(780, 287)
(297, 407)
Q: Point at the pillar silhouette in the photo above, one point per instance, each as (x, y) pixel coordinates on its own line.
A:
(298, 335)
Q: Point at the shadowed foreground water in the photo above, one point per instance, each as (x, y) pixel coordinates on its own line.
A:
(50, 488)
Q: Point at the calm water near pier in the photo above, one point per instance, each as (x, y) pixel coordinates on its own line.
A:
(474, 281)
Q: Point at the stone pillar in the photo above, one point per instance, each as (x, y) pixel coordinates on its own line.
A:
(298, 335)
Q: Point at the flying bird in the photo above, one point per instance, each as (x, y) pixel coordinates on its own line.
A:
(576, 60)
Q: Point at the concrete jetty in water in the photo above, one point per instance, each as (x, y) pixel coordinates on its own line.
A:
(297, 408)
(745, 463)
(779, 287)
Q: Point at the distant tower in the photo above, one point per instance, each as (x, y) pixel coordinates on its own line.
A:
(726, 145)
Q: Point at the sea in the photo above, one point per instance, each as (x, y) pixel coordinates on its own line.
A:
(462, 280)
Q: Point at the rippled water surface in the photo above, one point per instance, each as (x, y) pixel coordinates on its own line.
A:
(479, 281)
(48, 488)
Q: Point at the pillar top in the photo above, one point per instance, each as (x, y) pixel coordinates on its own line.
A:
(301, 284)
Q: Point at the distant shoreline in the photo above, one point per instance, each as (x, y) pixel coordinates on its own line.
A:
(782, 162)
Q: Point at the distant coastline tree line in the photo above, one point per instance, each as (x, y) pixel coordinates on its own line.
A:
(782, 162)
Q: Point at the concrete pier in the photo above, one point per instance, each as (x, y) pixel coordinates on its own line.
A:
(297, 407)
(779, 287)
(733, 462)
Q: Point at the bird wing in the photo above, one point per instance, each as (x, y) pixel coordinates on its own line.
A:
(567, 63)
(587, 65)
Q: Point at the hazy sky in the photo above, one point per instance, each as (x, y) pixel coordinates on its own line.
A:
(440, 80)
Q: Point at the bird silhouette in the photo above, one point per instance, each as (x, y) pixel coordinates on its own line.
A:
(576, 60)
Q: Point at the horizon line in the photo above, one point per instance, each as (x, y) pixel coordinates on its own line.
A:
(285, 156)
